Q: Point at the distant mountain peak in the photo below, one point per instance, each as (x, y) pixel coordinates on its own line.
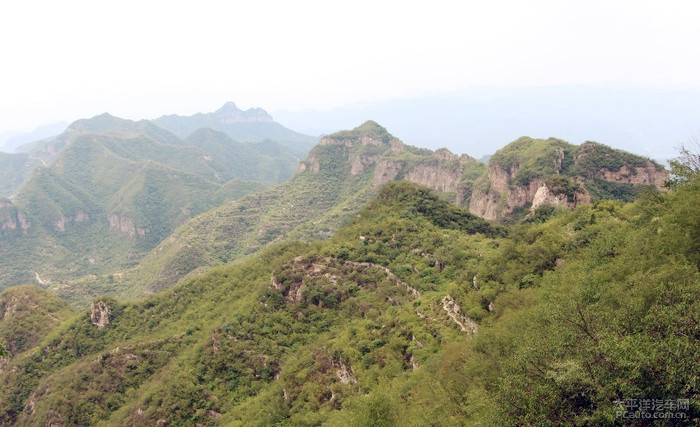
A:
(230, 113)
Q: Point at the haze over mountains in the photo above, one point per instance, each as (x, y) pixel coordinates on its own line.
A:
(647, 121)
(181, 277)
(109, 203)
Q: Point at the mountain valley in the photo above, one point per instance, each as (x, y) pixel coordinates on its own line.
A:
(172, 275)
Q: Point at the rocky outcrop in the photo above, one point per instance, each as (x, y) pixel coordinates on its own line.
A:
(369, 148)
(501, 197)
(311, 164)
(60, 224)
(99, 314)
(641, 175)
(385, 171)
(359, 163)
(13, 219)
(455, 312)
(437, 178)
(344, 372)
(125, 225)
(544, 196)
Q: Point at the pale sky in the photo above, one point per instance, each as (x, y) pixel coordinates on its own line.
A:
(70, 59)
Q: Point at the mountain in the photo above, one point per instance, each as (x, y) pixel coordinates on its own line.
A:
(15, 169)
(252, 125)
(416, 312)
(340, 175)
(17, 140)
(528, 173)
(27, 315)
(345, 171)
(113, 189)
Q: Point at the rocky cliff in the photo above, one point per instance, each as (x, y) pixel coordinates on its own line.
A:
(371, 149)
(529, 173)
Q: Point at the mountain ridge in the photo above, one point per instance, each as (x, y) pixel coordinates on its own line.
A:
(340, 175)
(127, 184)
(414, 311)
(252, 125)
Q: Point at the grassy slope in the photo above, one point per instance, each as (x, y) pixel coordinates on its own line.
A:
(124, 175)
(591, 306)
(311, 205)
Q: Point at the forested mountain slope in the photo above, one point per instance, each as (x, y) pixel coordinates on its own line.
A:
(415, 312)
(333, 183)
(346, 169)
(112, 189)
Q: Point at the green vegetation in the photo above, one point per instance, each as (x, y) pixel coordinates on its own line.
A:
(14, 170)
(311, 205)
(534, 158)
(592, 157)
(27, 314)
(538, 158)
(335, 300)
(116, 190)
(575, 311)
(685, 167)
(369, 129)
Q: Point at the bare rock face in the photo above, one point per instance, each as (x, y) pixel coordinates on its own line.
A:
(125, 225)
(435, 177)
(385, 171)
(60, 224)
(360, 163)
(647, 175)
(99, 314)
(12, 218)
(455, 312)
(344, 372)
(501, 198)
(545, 197)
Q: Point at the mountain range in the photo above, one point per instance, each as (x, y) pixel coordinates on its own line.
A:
(110, 189)
(190, 280)
(149, 244)
(415, 312)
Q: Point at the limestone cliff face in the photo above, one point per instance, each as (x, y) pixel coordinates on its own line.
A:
(369, 149)
(99, 314)
(545, 196)
(440, 177)
(60, 224)
(553, 172)
(501, 197)
(12, 219)
(125, 225)
(640, 175)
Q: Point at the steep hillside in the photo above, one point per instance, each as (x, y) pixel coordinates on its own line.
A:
(253, 125)
(528, 173)
(345, 170)
(27, 314)
(14, 170)
(414, 313)
(337, 179)
(107, 198)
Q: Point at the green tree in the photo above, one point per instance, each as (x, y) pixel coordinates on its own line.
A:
(686, 166)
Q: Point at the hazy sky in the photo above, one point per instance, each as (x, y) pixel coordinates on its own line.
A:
(64, 60)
